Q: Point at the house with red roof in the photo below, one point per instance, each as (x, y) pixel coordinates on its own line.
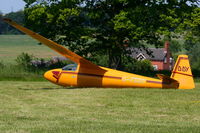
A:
(161, 58)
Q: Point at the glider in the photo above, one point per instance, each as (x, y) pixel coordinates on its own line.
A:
(87, 74)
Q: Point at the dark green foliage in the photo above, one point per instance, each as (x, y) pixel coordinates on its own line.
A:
(188, 45)
(142, 67)
(106, 27)
(191, 26)
(175, 47)
(101, 60)
(194, 53)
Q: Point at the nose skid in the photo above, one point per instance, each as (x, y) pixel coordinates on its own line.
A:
(52, 75)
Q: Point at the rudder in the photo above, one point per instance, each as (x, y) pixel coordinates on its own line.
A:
(182, 73)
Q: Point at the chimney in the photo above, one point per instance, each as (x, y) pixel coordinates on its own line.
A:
(167, 58)
(167, 46)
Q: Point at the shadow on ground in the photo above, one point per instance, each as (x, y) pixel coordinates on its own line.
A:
(47, 88)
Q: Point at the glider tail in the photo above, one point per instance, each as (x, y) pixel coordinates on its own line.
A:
(182, 73)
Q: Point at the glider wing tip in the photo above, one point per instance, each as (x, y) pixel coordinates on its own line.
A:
(7, 20)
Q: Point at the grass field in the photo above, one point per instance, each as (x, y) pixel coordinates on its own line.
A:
(13, 45)
(41, 107)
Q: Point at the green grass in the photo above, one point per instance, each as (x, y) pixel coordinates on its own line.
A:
(41, 107)
(13, 45)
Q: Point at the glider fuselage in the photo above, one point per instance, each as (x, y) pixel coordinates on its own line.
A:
(109, 78)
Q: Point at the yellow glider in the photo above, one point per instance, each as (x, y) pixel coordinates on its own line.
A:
(87, 74)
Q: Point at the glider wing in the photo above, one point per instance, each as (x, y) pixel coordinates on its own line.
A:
(56, 47)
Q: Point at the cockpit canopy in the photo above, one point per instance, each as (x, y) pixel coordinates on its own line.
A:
(70, 67)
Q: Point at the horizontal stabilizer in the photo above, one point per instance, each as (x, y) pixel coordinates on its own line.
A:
(166, 79)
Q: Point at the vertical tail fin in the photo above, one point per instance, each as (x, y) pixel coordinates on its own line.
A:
(182, 73)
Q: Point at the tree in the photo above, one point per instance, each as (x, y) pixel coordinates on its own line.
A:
(194, 53)
(61, 21)
(123, 23)
(191, 26)
(105, 26)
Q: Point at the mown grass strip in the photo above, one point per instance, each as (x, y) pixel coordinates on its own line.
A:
(13, 45)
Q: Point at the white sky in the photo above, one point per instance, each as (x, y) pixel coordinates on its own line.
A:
(7, 6)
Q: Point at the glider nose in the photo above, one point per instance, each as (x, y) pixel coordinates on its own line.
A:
(52, 75)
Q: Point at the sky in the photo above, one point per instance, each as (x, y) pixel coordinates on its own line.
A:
(7, 6)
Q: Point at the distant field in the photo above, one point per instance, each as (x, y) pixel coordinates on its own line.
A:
(13, 45)
(41, 107)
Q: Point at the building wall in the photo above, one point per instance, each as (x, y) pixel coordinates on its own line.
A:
(159, 65)
(165, 64)
(162, 66)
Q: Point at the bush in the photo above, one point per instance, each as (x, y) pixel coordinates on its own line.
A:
(101, 60)
(2, 65)
(24, 60)
(142, 67)
(33, 64)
